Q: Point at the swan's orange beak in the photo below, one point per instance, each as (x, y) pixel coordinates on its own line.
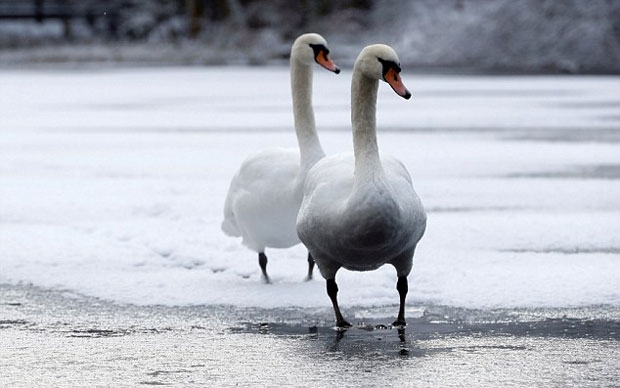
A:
(393, 78)
(323, 59)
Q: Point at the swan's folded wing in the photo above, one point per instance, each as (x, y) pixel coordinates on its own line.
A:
(269, 169)
(410, 203)
(395, 168)
(327, 186)
(259, 177)
(336, 170)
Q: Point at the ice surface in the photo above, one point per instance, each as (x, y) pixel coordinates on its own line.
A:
(112, 184)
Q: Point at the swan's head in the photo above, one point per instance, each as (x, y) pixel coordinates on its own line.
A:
(311, 48)
(380, 62)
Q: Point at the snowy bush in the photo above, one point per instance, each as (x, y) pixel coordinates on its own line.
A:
(501, 35)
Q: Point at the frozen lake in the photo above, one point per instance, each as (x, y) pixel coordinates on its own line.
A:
(65, 340)
(112, 186)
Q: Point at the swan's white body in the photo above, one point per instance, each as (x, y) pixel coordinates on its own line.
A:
(264, 198)
(360, 211)
(265, 194)
(360, 221)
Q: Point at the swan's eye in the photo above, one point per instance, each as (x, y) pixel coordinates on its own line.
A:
(389, 65)
(318, 50)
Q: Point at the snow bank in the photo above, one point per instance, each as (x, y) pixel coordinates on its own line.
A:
(113, 184)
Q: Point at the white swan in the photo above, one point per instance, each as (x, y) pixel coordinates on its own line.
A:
(265, 194)
(360, 211)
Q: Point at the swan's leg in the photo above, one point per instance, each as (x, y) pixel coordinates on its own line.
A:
(332, 292)
(403, 287)
(310, 266)
(262, 261)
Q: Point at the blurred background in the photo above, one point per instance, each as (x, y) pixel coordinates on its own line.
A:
(522, 36)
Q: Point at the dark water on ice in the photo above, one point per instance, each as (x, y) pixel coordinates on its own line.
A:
(66, 340)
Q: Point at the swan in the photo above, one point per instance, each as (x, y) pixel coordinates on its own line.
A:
(265, 194)
(360, 211)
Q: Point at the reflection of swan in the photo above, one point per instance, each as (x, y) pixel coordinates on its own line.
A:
(265, 194)
(403, 346)
(360, 211)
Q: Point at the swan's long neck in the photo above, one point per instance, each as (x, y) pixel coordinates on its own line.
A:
(301, 86)
(363, 119)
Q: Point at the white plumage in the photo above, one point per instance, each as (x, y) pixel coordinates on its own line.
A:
(265, 194)
(263, 199)
(360, 210)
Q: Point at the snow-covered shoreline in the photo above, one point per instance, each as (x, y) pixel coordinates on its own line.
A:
(113, 183)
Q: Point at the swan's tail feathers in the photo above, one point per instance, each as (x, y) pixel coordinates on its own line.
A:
(229, 225)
